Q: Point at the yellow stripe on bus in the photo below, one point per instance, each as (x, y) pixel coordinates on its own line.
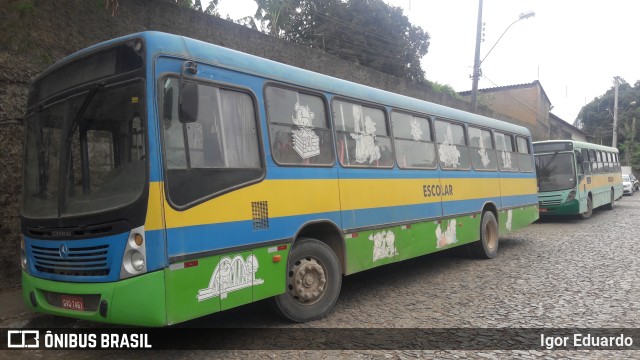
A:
(297, 197)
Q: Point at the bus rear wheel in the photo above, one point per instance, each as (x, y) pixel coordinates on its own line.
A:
(587, 214)
(313, 282)
(487, 246)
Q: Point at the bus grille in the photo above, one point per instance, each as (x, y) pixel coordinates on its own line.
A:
(550, 202)
(71, 260)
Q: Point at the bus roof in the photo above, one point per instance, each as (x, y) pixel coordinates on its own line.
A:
(580, 144)
(159, 43)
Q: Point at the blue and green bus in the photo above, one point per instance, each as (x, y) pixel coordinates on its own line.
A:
(167, 178)
(576, 177)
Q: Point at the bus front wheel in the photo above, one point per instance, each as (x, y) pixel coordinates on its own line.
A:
(587, 214)
(313, 282)
(487, 246)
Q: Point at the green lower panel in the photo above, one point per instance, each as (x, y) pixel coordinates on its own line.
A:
(517, 218)
(373, 248)
(568, 208)
(204, 286)
(134, 301)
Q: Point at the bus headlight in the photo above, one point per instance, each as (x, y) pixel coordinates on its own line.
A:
(572, 196)
(134, 261)
(23, 255)
(137, 260)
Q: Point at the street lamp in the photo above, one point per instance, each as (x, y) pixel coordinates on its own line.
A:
(477, 62)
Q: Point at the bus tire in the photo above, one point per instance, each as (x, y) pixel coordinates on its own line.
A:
(487, 246)
(313, 282)
(610, 205)
(587, 214)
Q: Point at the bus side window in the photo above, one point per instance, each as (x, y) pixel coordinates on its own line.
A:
(217, 152)
(362, 135)
(524, 157)
(507, 160)
(452, 146)
(298, 127)
(586, 164)
(483, 155)
(593, 161)
(413, 141)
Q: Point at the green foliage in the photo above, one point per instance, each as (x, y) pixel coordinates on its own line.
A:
(368, 32)
(23, 7)
(597, 120)
(443, 89)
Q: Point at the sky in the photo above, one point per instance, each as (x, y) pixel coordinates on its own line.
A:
(574, 48)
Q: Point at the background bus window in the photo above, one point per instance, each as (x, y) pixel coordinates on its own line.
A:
(586, 165)
(452, 146)
(524, 156)
(413, 142)
(362, 136)
(599, 162)
(594, 161)
(298, 128)
(217, 152)
(483, 156)
(507, 159)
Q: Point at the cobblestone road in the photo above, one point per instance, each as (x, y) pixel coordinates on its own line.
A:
(556, 273)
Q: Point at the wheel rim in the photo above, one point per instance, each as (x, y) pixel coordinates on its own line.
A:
(307, 281)
(491, 235)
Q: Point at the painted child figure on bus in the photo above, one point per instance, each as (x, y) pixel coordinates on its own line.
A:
(305, 142)
(383, 245)
(365, 136)
(448, 236)
(448, 152)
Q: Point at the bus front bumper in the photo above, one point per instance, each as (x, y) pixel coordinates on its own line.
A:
(568, 208)
(135, 301)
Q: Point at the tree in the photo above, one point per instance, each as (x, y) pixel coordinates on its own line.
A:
(368, 32)
(597, 120)
(274, 15)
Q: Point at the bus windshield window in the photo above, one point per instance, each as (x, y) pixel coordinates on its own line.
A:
(555, 171)
(99, 138)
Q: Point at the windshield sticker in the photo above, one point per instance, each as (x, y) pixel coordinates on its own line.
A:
(509, 218)
(448, 236)
(448, 152)
(231, 275)
(384, 245)
(416, 131)
(365, 135)
(305, 141)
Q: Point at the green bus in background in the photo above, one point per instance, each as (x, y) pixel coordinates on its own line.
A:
(576, 177)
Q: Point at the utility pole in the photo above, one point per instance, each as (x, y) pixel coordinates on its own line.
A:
(476, 62)
(616, 82)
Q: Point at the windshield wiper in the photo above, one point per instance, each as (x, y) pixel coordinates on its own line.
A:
(83, 108)
(66, 172)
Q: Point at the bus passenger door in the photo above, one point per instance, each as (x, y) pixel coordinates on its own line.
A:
(583, 178)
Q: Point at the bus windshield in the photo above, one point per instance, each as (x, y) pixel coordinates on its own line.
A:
(555, 171)
(97, 135)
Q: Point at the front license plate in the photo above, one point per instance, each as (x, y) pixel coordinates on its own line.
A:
(542, 210)
(72, 303)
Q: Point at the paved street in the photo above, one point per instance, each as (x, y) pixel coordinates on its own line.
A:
(556, 273)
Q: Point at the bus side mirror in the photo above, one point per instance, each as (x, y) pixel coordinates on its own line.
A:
(189, 99)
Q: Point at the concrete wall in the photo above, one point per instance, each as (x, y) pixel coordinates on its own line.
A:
(527, 103)
(36, 33)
